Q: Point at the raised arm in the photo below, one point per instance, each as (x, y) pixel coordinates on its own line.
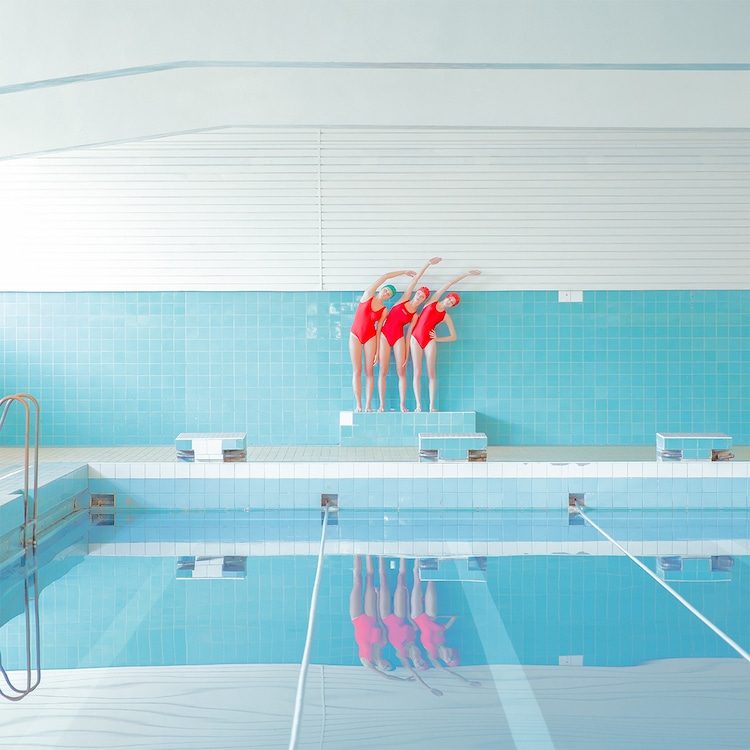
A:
(443, 289)
(370, 291)
(413, 285)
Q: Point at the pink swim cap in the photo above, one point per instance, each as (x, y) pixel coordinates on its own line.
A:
(456, 298)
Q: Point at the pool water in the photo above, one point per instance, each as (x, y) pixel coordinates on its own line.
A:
(179, 630)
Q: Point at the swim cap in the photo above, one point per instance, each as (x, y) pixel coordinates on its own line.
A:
(424, 291)
(456, 298)
(392, 288)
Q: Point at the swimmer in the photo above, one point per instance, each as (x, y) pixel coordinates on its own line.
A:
(424, 339)
(401, 317)
(364, 338)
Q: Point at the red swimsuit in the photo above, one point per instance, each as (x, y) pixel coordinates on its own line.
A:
(428, 319)
(365, 319)
(367, 634)
(400, 633)
(398, 318)
(431, 633)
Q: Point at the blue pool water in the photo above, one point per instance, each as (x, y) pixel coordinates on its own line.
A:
(571, 641)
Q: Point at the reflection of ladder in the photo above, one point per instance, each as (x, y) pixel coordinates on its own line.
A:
(29, 501)
(31, 581)
(31, 596)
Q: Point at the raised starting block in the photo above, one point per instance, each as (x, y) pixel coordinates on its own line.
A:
(211, 446)
(452, 446)
(693, 446)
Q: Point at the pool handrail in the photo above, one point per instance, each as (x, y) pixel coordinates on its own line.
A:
(30, 506)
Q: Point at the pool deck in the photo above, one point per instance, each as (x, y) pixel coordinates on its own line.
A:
(11, 458)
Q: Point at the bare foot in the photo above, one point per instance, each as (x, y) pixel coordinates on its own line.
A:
(433, 409)
(369, 409)
(358, 409)
(404, 409)
(381, 409)
(419, 408)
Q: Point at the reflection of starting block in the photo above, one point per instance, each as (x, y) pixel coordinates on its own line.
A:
(465, 569)
(227, 567)
(695, 569)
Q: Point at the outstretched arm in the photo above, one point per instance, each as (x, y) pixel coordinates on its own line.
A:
(435, 663)
(415, 676)
(413, 285)
(370, 291)
(369, 665)
(443, 289)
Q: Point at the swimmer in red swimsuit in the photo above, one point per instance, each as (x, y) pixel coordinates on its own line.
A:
(369, 632)
(401, 634)
(402, 316)
(425, 340)
(364, 338)
(424, 614)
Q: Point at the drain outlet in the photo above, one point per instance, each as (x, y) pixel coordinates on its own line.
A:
(102, 500)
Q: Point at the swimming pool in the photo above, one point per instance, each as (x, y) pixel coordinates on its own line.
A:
(168, 629)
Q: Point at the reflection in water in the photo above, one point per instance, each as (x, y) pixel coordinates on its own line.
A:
(401, 634)
(380, 615)
(369, 632)
(424, 613)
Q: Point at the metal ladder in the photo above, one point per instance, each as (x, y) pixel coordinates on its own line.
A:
(29, 501)
(29, 539)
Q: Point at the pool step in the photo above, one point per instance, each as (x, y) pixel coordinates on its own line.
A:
(395, 428)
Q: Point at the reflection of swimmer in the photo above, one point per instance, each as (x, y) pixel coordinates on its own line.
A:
(401, 634)
(424, 612)
(368, 632)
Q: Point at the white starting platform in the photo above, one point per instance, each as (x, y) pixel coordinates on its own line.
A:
(217, 447)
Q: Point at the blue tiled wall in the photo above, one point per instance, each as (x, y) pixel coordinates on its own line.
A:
(139, 368)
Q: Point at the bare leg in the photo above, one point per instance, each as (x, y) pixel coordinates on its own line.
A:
(383, 359)
(369, 352)
(355, 598)
(384, 600)
(399, 349)
(401, 595)
(416, 383)
(371, 596)
(430, 354)
(355, 352)
(431, 600)
(417, 606)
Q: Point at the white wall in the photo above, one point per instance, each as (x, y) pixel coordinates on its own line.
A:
(302, 209)
(584, 144)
